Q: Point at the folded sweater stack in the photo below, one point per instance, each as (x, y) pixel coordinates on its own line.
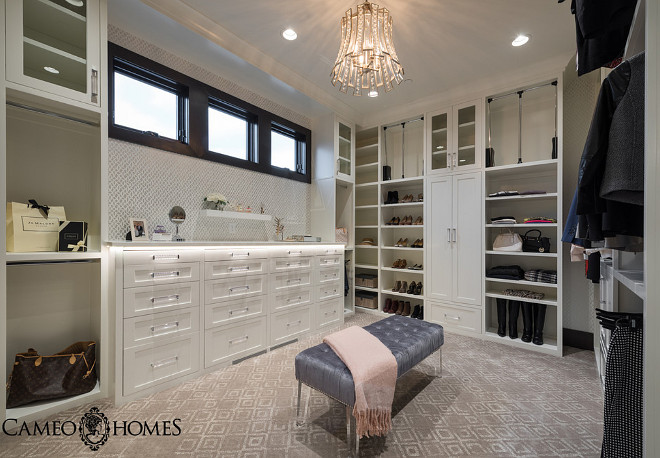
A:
(542, 276)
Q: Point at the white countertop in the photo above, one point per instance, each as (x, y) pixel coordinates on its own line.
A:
(191, 244)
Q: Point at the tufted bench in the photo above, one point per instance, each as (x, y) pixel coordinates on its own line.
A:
(409, 340)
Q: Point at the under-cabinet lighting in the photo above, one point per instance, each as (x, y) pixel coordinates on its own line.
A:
(75, 2)
(289, 34)
(520, 40)
(52, 70)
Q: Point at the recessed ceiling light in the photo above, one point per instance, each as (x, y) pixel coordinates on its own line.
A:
(290, 34)
(372, 94)
(520, 40)
(75, 2)
(52, 70)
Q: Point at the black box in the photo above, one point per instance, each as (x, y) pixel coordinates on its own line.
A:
(72, 236)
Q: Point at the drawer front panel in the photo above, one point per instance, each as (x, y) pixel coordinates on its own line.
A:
(330, 261)
(149, 299)
(289, 264)
(155, 274)
(160, 326)
(225, 269)
(289, 325)
(237, 309)
(161, 256)
(458, 318)
(295, 251)
(327, 251)
(282, 282)
(229, 343)
(292, 298)
(231, 288)
(235, 254)
(330, 275)
(150, 365)
(329, 312)
(330, 291)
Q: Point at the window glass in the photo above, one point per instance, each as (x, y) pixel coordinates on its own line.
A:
(282, 151)
(228, 134)
(144, 107)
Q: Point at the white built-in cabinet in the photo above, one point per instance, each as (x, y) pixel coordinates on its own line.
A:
(345, 150)
(454, 138)
(54, 46)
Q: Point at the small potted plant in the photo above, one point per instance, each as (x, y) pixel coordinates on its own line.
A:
(216, 201)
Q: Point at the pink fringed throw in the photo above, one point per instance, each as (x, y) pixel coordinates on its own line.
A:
(374, 371)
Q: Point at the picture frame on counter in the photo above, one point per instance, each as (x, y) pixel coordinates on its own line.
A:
(139, 229)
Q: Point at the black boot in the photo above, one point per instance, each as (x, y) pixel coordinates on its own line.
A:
(421, 313)
(389, 198)
(527, 322)
(539, 321)
(514, 306)
(416, 312)
(395, 197)
(501, 317)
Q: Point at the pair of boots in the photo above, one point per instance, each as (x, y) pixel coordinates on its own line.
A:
(392, 197)
(533, 320)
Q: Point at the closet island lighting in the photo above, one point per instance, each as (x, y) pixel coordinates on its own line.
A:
(367, 59)
(290, 34)
(520, 40)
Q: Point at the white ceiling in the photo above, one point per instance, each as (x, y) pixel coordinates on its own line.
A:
(443, 45)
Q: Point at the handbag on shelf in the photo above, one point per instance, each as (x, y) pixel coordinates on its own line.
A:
(508, 241)
(67, 373)
(538, 244)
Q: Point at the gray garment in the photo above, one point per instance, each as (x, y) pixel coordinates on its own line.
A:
(623, 178)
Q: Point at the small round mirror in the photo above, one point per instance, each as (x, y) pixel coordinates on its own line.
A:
(177, 216)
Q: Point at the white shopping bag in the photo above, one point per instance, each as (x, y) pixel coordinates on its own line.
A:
(33, 227)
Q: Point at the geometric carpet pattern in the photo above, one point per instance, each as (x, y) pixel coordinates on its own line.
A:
(492, 400)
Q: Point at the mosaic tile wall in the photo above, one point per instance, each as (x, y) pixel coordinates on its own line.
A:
(146, 182)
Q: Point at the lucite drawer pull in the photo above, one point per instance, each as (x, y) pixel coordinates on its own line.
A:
(245, 310)
(295, 252)
(299, 298)
(172, 297)
(160, 257)
(331, 313)
(239, 340)
(239, 269)
(294, 323)
(239, 288)
(164, 362)
(333, 275)
(294, 264)
(240, 255)
(328, 293)
(164, 327)
(165, 274)
(329, 261)
(294, 280)
(455, 318)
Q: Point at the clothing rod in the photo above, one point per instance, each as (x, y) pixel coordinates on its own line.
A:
(404, 122)
(492, 99)
(32, 263)
(51, 113)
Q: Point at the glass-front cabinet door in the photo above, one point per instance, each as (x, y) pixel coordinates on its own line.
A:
(439, 140)
(54, 46)
(344, 145)
(467, 136)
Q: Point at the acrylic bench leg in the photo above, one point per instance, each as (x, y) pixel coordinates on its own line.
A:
(348, 427)
(299, 422)
(439, 373)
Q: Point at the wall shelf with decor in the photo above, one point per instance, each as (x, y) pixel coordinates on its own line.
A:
(234, 215)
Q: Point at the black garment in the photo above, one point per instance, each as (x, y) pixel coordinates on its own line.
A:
(601, 29)
(506, 272)
(616, 134)
(593, 267)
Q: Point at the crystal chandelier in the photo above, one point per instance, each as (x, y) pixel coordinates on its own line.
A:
(367, 59)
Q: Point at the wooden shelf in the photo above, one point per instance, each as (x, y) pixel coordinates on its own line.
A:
(364, 207)
(522, 253)
(405, 204)
(466, 147)
(366, 266)
(365, 288)
(549, 195)
(366, 185)
(402, 226)
(552, 302)
(410, 296)
(437, 131)
(344, 139)
(549, 165)
(44, 408)
(403, 180)
(373, 226)
(366, 246)
(523, 225)
(466, 124)
(366, 147)
(633, 280)
(406, 270)
(345, 159)
(522, 282)
(51, 256)
(234, 215)
(549, 345)
(400, 248)
(366, 166)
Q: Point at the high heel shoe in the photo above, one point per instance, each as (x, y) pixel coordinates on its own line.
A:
(420, 197)
(397, 286)
(418, 289)
(395, 264)
(419, 221)
(404, 287)
(399, 242)
(393, 221)
(403, 263)
(403, 243)
(412, 287)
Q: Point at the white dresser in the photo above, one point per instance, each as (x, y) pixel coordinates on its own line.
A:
(183, 309)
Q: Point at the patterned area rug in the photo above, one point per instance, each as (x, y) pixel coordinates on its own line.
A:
(492, 400)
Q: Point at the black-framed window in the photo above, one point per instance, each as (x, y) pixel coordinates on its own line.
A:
(153, 105)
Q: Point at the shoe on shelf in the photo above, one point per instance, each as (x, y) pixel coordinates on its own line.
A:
(404, 287)
(394, 307)
(411, 289)
(419, 221)
(397, 285)
(418, 290)
(392, 221)
(406, 309)
(387, 306)
(403, 243)
(415, 312)
(420, 197)
(399, 242)
(403, 264)
(421, 313)
(395, 264)
(400, 308)
(416, 267)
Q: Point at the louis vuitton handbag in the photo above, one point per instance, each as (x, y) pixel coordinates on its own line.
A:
(67, 373)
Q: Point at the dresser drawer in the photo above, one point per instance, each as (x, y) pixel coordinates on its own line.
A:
(234, 310)
(458, 318)
(288, 325)
(292, 298)
(295, 251)
(284, 281)
(161, 256)
(160, 326)
(330, 291)
(330, 250)
(330, 261)
(330, 274)
(231, 288)
(226, 269)
(291, 264)
(235, 254)
(154, 274)
(149, 365)
(229, 343)
(149, 299)
(329, 312)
